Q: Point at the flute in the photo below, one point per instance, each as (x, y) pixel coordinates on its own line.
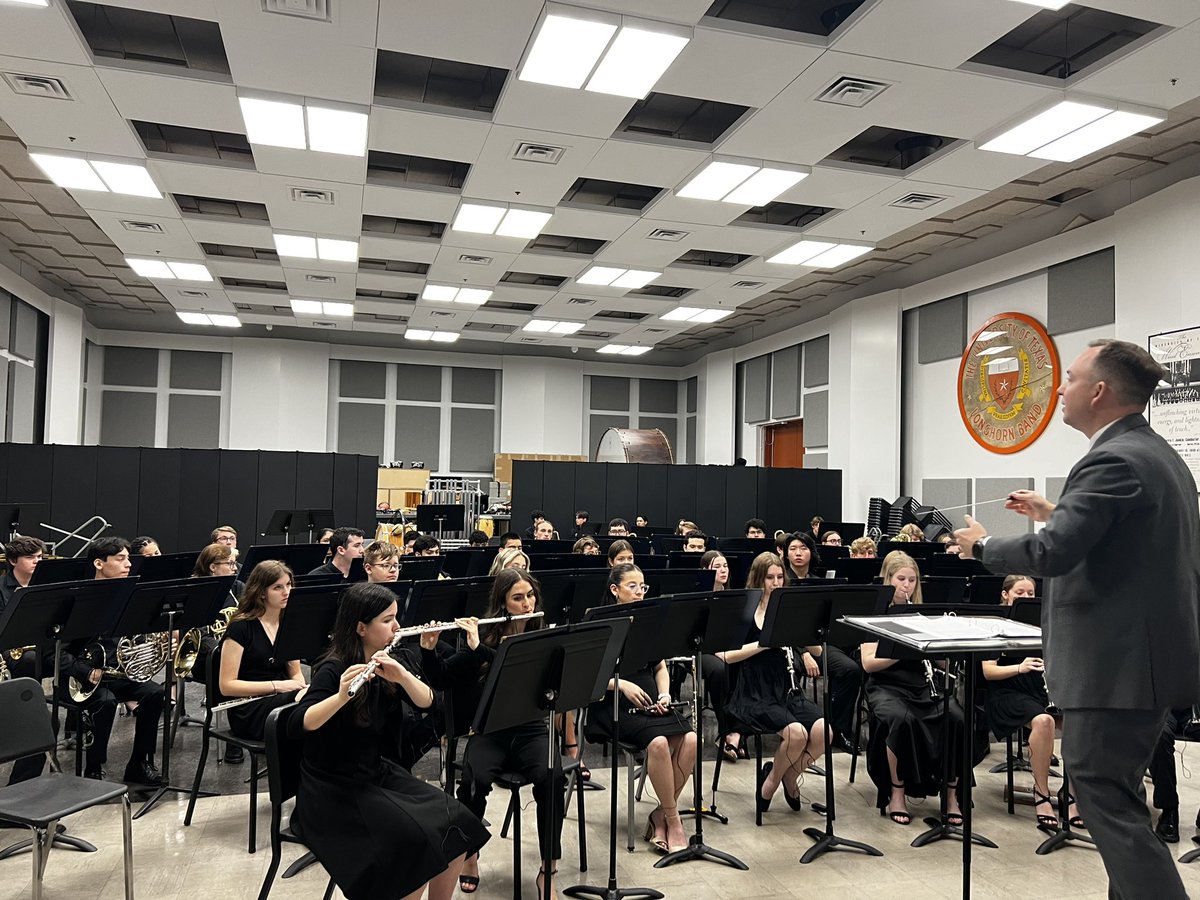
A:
(361, 678)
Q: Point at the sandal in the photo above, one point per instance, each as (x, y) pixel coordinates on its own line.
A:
(585, 774)
(541, 880)
(1075, 821)
(742, 752)
(1044, 821)
(651, 837)
(469, 884)
(899, 816)
(728, 749)
(667, 816)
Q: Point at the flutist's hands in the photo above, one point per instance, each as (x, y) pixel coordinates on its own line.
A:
(470, 628)
(429, 639)
(388, 668)
(348, 676)
(967, 537)
(292, 684)
(636, 695)
(1030, 504)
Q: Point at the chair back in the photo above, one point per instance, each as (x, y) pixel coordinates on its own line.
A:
(212, 679)
(283, 755)
(26, 719)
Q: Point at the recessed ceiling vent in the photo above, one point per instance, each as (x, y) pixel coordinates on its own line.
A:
(142, 227)
(441, 315)
(656, 331)
(917, 200)
(748, 285)
(667, 234)
(325, 324)
(38, 86)
(528, 340)
(196, 294)
(581, 301)
(322, 279)
(850, 91)
(312, 195)
(317, 10)
(474, 260)
(526, 151)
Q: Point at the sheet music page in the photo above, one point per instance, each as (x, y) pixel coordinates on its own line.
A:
(967, 627)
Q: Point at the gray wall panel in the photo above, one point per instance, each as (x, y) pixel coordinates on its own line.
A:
(196, 370)
(473, 386)
(692, 384)
(816, 362)
(993, 516)
(136, 366)
(656, 395)
(942, 329)
(418, 382)
(945, 493)
(1081, 293)
(757, 373)
(816, 419)
(417, 434)
(1054, 487)
(691, 439)
(472, 436)
(362, 379)
(785, 383)
(194, 421)
(360, 428)
(609, 393)
(816, 460)
(127, 418)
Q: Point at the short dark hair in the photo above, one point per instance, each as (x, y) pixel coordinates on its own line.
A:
(477, 537)
(141, 542)
(618, 523)
(537, 514)
(426, 542)
(411, 536)
(229, 529)
(102, 548)
(508, 536)
(754, 523)
(1130, 371)
(22, 545)
(342, 535)
(581, 514)
(695, 533)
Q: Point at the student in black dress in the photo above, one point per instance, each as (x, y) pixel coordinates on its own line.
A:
(248, 664)
(717, 674)
(649, 722)
(763, 700)
(522, 748)
(1016, 698)
(620, 553)
(904, 754)
(380, 832)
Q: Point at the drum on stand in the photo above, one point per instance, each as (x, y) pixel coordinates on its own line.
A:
(487, 525)
(635, 445)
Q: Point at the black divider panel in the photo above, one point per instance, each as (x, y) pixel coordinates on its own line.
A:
(276, 486)
(558, 497)
(527, 475)
(345, 495)
(652, 495)
(591, 492)
(368, 487)
(710, 498)
(829, 496)
(73, 493)
(237, 496)
(741, 499)
(158, 503)
(30, 477)
(681, 494)
(118, 476)
(621, 490)
(314, 481)
(199, 471)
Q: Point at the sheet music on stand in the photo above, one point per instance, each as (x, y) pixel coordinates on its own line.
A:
(952, 633)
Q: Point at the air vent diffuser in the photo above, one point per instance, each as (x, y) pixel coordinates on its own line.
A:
(195, 294)
(582, 301)
(667, 234)
(142, 227)
(850, 91)
(38, 86)
(322, 279)
(437, 314)
(318, 10)
(539, 153)
(312, 195)
(748, 285)
(917, 200)
(474, 259)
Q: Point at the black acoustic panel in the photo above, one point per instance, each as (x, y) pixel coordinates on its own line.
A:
(527, 495)
(558, 501)
(776, 506)
(741, 499)
(651, 496)
(591, 492)
(345, 493)
(621, 490)
(31, 480)
(368, 488)
(74, 490)
(314, 481)
(829, 496)
(681, 494)
(199, 471)
(710, 498)
(237, 496)
(158, 496)
(276, 485)
(118, 476)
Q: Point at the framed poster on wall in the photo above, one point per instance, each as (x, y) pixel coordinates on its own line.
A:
(1175, 406)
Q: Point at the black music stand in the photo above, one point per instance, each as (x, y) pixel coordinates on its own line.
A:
(540, 674)
(638, 647)
(441, 517)
(419, 568)
(696, 624)
(435, 601)
(56, 571)
(292, 521)
(12, 513)
(300, 558)
(169, 606)
(167, 567)
(305, 628)
(814, 619)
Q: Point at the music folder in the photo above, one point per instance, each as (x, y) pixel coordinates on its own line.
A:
(951, 633)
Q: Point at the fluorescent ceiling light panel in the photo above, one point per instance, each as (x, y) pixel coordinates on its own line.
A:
(473, 296)
(712, 315)
(635, 61)
(565, 50)
(764, 186)
(186, 271)
(225, 321)
(716, 180)
(332, 250)
(681, 314)
(523, 223)
(417, 334)
(634, 351)
(330, 308)
(199, 318)
(1060, 119)
(800, 253)
(566, 327)
(444, 337)
(477, 218)
(193, 318)
(624, 349)
(600, 275)
(337, 131)
(837, 256)
(306, 307)
(634, 279)
(69, 172)
(273, 123)
(1094, 136)
(31, 2)
(150, 268)
(127, 178)
(539, 325)
(439, 293)
(1070, 130)
(611, 348)
(552, 327)
(1045, 4)
(296, 245)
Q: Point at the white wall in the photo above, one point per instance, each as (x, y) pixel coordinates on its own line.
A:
(541, 406)
(64, 381)
(279, 395)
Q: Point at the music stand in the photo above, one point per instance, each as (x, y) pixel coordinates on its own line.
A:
(567, 595)
(541, 673)
(441, 517)
(709, 622)
(167, 567)
(435, 601)
(171, 606)
(814, 619)
(12, 513)
(53, 614)
(300, 558)
(638, 647)
(291, 521)
(419, 568)
(305, 626)
(56, 571)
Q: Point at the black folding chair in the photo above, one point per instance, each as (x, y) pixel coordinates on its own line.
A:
(41, 802)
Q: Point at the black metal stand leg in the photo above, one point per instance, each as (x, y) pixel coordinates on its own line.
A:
(826, 840)
(1191, 855)
(1064, 834)
(696, 848)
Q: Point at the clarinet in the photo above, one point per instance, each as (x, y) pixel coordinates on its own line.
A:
(933, 691)
(791, 667)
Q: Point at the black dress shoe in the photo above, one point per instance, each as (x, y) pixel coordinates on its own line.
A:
(843, 743)
(143, 773)
(94, 774)
(1168, 826)
(763, 805)
(1198, 819)
(234, 754)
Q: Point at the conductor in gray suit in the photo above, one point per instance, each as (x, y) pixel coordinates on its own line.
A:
(1121, 617)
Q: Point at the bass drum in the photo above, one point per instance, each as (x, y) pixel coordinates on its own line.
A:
(635, 445)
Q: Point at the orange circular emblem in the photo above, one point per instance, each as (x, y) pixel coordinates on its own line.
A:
(1008, 383)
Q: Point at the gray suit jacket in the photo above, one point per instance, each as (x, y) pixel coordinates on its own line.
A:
(1121, 552)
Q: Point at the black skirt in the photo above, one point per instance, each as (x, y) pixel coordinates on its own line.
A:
(1013, 702)
(637, 728)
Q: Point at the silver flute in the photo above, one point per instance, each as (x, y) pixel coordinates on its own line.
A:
(362, 677)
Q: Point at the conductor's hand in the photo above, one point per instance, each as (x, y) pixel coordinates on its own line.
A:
(636, 695)
(348, 676)
(388, 668)
(1030, 504)
(429, 639)
(470, 628)
(967, 537)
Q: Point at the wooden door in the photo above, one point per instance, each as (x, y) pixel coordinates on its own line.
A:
(783, 445)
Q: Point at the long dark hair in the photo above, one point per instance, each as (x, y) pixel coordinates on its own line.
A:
(506, 580)
(254, 598)
(361, 602)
